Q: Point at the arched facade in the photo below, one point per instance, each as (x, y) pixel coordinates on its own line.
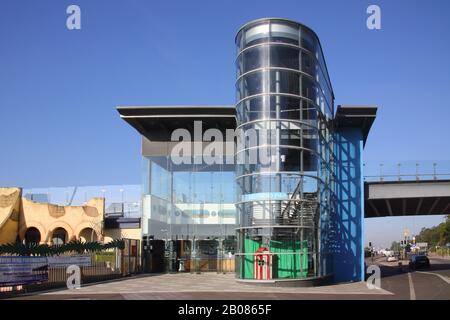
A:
(73, 219)
(59, 236)
(96, 228)
(61, 225)
(33, 224)
(9, 213)
(32, 235)
(87, 235)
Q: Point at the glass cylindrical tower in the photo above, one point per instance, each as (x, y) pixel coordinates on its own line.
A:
(284, 156)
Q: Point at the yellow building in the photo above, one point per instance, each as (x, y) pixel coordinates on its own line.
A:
(25, 220)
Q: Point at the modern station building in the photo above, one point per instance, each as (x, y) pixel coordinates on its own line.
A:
(283, 198)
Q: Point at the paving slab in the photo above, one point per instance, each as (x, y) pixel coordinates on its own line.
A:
(208, 282)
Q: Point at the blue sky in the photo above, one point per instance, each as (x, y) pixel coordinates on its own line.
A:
(59, 88)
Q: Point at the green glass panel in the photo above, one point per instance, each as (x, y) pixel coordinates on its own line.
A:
(291, 262)
(286, 264)
(250, 246)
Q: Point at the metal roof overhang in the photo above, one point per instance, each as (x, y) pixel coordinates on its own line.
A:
(356, 117)
(157, 123)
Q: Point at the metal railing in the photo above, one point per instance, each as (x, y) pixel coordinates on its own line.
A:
(106, 265)
(123, 199)
(406, 171)
(103, 266)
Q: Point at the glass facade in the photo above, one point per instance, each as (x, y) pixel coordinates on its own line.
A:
(284, 97)
(191, 208)
(290, 205)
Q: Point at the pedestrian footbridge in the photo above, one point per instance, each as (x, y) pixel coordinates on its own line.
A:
(402, 198)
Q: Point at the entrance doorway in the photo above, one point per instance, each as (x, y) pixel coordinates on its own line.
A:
(207, 255)
(189, 255)
(179, 256)
(192, 255)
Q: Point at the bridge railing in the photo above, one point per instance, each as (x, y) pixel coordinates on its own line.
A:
(406, 171)
(125, 199)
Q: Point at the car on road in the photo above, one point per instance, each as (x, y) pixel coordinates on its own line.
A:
(387, 253)
(419, 261)
(392, 258)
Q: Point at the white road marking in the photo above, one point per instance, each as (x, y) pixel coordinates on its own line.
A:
(436, 274)
(412, 293)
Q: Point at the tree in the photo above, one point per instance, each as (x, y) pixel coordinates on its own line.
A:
(395, 246)
(367, 252)
(436, 236)
(445, 233)
(73, 246)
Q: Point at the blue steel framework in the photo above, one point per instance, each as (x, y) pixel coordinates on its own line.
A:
(346, 241)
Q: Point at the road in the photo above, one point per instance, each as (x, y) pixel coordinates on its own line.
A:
(428, 284)
(396, 283)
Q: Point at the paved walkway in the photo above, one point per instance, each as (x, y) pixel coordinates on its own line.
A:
(208, 282)
(396, 283)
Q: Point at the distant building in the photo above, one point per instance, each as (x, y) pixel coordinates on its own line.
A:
(29, 221)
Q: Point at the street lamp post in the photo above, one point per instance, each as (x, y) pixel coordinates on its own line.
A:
(167, 253)
(434, 171)
(122, 199)
(417, 171)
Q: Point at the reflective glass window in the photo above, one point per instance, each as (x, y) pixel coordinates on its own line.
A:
(282, 81)
(256, 57)
(284, 32)
(284, 57)
(253, 83)
(308, 40)
(256, 34)
(309, 89)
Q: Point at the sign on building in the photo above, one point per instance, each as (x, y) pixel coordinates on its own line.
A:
(23, 270)
(65, 261)
(422, 244)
